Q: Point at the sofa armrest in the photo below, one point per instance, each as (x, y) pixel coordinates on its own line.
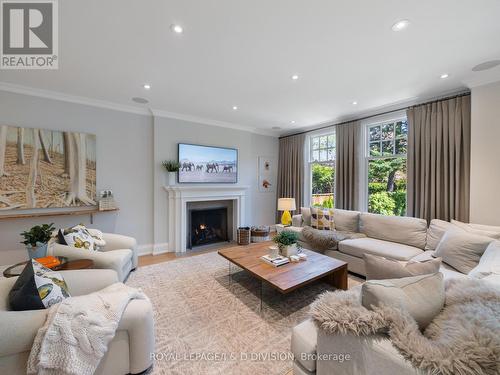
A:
(118, 241)
(81, 282)
(137, 320)
(370, 355)
(297, 220)
(19, 329)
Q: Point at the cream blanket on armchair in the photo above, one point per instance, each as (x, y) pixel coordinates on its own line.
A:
(78, 330)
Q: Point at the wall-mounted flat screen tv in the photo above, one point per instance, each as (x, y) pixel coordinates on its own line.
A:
(206, 164)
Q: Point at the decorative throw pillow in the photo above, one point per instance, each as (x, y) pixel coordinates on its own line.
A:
(462, 250)
(322, 218)
(37, 288)
(489, 264)
(98, 237)
(421, 296)
(77, 236)
(436, 231)
(380, 268)
(481, 230)
(306, 215)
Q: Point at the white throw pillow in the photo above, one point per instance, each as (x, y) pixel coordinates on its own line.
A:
(462, 250)
(421, 296)
(489, 264)
(98, 237)
(481, 230)
(435, 233)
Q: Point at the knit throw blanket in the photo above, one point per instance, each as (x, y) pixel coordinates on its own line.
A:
(463, 339)
(322, 240)
(78, 330)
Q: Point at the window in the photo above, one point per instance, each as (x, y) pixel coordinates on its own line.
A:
(386, 165)
(322, 169)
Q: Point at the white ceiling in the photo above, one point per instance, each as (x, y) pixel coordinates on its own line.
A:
(236, 52)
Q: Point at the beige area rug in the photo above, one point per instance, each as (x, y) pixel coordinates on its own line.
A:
(207, 324)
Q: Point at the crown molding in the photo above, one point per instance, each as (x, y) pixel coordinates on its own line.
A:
(205, 121)
(145, 111)
(55, 95)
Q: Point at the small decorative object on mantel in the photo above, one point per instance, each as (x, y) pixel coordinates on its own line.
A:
(287, 243)
(172, 167)
(107, 201)
(260, 234)
(36, 240)
(243, 234)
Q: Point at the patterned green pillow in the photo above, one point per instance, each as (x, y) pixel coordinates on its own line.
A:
(322, 218)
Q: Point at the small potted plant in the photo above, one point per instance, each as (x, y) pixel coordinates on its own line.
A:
(172, 167)
(37, 239)
(287, 243)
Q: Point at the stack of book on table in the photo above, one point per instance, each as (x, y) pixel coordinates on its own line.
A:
(275, 262)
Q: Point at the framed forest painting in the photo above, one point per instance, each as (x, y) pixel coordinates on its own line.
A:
(46, 168)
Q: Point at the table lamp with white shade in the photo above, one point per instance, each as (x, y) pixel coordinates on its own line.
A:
(286, 205)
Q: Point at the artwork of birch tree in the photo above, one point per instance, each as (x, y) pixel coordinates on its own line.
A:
(46, 168)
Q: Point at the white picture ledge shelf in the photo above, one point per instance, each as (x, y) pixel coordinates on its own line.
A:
(180, 195)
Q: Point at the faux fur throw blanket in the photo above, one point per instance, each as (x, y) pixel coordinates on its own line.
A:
(322, 240)
(78, 330)
(463, 339)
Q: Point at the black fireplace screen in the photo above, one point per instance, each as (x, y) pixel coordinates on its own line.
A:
(208, 226)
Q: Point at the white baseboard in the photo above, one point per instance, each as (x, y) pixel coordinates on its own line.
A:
(153, 249)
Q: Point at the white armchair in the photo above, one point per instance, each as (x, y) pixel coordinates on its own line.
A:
(119, 254)
(128, 353)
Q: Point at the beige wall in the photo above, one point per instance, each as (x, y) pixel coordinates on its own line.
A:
(485, 158)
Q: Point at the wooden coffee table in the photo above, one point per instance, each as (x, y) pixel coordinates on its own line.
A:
(290, 276)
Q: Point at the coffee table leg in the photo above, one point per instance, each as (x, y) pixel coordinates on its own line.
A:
(261, 287)
(338, 279)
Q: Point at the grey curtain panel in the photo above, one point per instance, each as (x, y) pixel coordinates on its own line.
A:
(291, 169)
(347, 168)
(439, 159)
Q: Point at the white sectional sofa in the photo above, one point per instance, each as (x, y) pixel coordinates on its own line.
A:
(400, 238)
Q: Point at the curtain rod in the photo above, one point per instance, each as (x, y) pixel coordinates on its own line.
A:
(379, 114)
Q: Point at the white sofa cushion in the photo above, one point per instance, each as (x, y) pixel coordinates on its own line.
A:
(404, 230)
(380, 268)
(447, 271)
(435, 233)
(304, 343)
(346, 220)
(481, 230)
(421, 296)
(462, 250)
(489, 264)
(391, 250)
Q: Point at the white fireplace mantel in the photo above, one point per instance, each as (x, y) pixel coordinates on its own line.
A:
(180, 195)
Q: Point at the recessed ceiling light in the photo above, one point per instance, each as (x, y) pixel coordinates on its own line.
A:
(486, 65)
(354, 103)
(292, 122)
(276, 128)
(295, 77)
(147, 86)
(444, 75)
(400, 25)
(177, 29)
(235, 108)
(140, 100)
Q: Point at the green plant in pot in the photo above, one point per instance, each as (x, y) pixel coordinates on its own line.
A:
(287, 243)
(172, 167)
(37, 239)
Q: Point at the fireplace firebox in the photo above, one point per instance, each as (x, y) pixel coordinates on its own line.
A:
(207, 226)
